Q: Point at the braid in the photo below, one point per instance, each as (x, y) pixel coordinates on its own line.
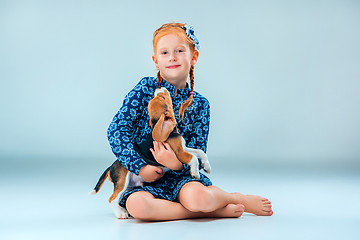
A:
(192, 78)
(159, 78)
(189, 101)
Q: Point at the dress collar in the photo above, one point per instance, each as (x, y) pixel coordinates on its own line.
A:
(183, 92)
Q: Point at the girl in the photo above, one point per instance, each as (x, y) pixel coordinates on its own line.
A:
(174, 194)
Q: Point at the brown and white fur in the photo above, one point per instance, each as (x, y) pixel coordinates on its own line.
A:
(163, 124)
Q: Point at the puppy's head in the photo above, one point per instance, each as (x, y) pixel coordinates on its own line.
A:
(161, 113)
(159, 105)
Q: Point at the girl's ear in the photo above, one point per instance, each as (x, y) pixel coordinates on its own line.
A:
(155, 61)
(195, 57)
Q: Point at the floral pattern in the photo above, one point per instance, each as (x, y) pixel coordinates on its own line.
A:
(131, 125)
(131, 122)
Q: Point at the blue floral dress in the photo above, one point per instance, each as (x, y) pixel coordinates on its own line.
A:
(131, 125)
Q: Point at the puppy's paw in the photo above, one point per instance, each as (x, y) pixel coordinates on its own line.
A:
(195, 174)
(207, 167)
(121, 213)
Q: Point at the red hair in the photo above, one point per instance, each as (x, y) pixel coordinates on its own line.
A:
(177, 28)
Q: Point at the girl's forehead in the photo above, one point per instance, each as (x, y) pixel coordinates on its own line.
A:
(171, 40)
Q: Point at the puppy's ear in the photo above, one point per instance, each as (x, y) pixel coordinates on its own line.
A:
(162, 129)
(152, 122)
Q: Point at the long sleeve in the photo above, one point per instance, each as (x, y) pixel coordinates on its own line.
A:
(201, 122)
(122, 130)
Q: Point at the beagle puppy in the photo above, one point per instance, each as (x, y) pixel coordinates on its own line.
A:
(163, 125)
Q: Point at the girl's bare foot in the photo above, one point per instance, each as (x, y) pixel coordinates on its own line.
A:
(255, 204)
(231, 210)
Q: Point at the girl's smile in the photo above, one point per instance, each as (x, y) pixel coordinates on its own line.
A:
(173, 66)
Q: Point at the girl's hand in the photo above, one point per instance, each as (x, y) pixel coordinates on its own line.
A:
(150, 173)
(164, 155)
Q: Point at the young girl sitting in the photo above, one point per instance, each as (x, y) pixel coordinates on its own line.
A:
(173, 194)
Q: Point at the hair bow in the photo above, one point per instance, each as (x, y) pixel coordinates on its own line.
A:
(191, 34)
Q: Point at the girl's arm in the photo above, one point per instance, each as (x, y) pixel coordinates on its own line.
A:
(200, 132)
(121, 132)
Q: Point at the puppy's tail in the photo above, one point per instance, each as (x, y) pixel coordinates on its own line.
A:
(102, 179)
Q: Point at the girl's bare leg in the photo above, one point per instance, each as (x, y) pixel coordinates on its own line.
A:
(144, 206)
(198, 198)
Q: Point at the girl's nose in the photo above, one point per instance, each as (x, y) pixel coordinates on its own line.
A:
(172, 57)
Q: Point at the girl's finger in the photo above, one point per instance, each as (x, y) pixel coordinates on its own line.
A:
(162, 146)
(156, 146)
(153, 152)
(159, 171)
(167, 146)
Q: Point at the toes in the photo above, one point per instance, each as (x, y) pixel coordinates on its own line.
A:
(241, 207)
(267, 213)
(240, 210)
(267, 207)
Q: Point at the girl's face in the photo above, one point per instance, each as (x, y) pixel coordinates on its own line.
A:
(173, 58)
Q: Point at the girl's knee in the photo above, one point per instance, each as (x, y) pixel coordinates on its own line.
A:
(138, 205)
(196, 198)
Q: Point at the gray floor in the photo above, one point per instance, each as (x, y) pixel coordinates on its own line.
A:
(48, 200)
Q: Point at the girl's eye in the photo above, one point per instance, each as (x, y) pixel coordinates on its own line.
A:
(164, 52)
